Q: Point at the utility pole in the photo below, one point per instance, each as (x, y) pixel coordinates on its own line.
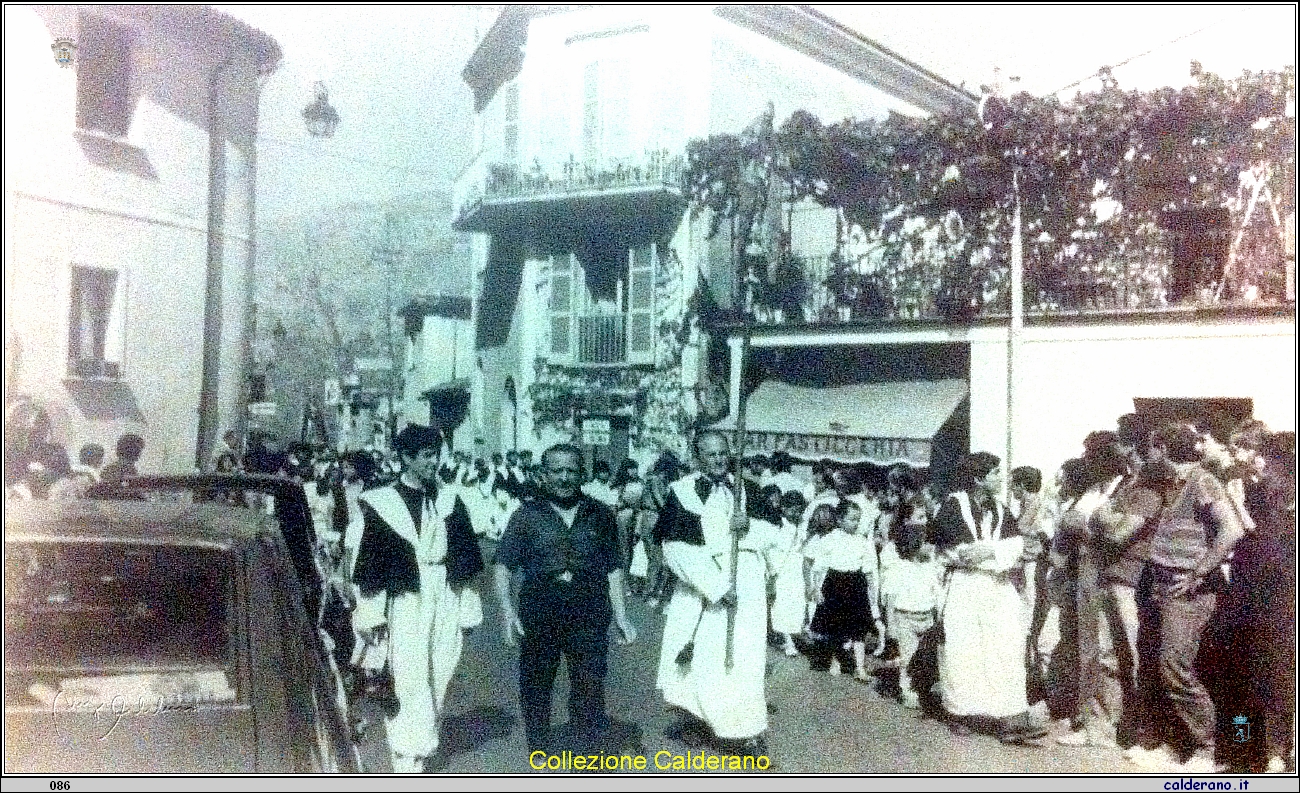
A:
(388, 255)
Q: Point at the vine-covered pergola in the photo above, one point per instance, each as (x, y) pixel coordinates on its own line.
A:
(1111, 184)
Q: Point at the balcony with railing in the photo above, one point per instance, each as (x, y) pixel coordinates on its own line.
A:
(822, 290)
(602, 340)
(510, 196)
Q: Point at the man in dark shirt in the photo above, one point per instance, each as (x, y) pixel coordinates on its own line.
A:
(566, 545)
(129, 449)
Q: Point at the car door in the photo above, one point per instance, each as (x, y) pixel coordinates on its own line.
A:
(317, 737)
(272, 677)
(123, 656)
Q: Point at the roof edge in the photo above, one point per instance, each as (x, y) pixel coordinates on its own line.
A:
(805, 30)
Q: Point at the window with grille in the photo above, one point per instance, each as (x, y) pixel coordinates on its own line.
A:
(604, 316)
(95, 323)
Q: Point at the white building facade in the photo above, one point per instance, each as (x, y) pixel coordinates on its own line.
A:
(584, 252)
(129, 217)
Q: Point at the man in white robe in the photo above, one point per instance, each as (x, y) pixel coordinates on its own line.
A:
(416, 559)
(695, 527)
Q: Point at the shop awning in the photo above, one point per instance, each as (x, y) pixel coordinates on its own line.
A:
(880, 423)
(448, 403)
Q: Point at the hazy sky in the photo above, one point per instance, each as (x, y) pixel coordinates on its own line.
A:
(393, 73)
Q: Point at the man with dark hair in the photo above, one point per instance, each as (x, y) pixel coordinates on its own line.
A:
(1121, 535)
(225, 455)
(566, 544)
(416, 558)
(85, 472)
(89, 460)
(781, 475)
(510, 478)
(1034, 521)
(527, 473)
(129, 448)
(1194, 533)
(696, 524)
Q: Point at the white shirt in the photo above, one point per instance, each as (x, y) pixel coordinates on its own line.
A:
(602, 492)
(788, 482)
(842, 551)
(870, 514)
(909, 585)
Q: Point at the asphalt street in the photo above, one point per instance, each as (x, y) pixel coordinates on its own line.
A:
(821, 724)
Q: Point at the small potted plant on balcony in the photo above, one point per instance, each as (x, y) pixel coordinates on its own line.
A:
(844, 283)
(871, 302)
(502, 178)
(959, 298)
(788, 289)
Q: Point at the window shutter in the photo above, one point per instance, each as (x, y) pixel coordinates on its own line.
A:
(104, 99)
(561, 308)
(115, 332)
(640, 305)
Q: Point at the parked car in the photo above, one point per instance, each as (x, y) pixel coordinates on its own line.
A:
(162, 637)
(283, 499)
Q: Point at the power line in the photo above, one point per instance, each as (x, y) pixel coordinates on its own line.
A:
(1129, 60)
(318, 152)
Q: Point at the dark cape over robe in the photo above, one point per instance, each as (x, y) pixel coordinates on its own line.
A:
(949, 528)
(386, 561)
(678, 524)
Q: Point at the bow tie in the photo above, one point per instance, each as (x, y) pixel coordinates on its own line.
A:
(704, 486)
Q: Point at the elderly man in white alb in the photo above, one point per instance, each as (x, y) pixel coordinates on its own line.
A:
(417, 557)
(695, 526)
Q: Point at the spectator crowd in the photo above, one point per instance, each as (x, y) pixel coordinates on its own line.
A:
(1141, 596)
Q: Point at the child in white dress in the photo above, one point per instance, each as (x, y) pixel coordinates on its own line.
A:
(790, 606)
(840, 561)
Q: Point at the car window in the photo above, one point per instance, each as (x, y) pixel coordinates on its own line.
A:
(102, 619)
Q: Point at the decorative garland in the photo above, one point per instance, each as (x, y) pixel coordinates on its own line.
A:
(655, 396)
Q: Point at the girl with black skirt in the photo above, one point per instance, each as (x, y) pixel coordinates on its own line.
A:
(839, 565)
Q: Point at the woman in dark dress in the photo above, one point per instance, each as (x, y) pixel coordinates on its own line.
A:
(1263, 590)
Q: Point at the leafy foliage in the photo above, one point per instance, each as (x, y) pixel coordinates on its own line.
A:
(323, 284)
(928, 201)
(655, 395)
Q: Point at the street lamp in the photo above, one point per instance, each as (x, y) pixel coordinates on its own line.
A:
(320, 116)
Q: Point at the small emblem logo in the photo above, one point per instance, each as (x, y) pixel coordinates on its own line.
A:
(1240, 729)
(63, 49)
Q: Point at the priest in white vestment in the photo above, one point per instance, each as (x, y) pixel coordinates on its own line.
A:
(695, 527)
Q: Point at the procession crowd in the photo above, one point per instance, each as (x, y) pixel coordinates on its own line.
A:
(1141, 596)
